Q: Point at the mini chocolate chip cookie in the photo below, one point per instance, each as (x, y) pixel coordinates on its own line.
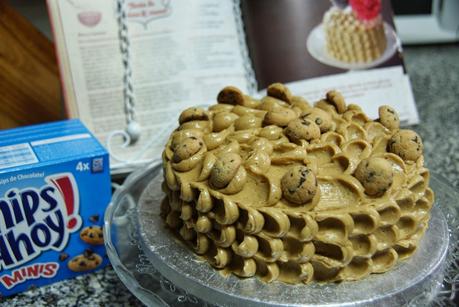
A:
(320, 117)
(388, 117)
(192, 114)
(93, 235)
(354, 107)
(187, 148)
(302, 129)
(231, 95)
(85, 262)
(179, 136)
(407, 144)
(337, 100)
(375, 174)
(224, 170)
(280, 91)
(299, 185)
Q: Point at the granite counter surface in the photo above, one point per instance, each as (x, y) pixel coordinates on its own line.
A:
(434, 73)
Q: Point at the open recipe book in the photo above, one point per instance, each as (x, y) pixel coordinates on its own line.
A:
(184, 52)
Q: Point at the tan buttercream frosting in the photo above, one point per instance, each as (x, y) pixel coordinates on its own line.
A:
(278, 189)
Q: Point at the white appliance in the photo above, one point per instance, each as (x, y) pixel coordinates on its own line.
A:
(427, 21)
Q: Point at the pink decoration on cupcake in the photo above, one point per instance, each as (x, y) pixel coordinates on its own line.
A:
(90, 18)
(366, 9)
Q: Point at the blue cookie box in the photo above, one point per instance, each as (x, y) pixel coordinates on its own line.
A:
(54, 181)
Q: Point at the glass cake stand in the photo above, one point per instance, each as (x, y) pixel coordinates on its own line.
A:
(316, 46)
(161, 271)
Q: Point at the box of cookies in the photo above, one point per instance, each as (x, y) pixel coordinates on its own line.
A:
(54, 188)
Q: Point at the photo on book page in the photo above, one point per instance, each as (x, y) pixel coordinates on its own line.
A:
(314, 46)
(184, 52)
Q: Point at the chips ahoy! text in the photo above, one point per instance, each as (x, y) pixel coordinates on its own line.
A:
(54, 188)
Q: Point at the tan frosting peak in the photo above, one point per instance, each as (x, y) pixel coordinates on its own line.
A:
(286, 191)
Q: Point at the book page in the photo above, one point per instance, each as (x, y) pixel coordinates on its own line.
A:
(367, 88)
(295, 50)
(182, 54)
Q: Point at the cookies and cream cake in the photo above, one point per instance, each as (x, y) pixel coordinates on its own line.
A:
(354, 35)
(282, 190)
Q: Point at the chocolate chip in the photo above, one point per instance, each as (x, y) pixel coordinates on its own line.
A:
(88, 253)
(370, 177)
(82, 263)
(304, 172)
(300, 183)
(63, 256)
(94, 218)
(91, 235)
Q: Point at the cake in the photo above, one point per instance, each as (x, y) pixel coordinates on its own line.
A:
(282, 190)
(355, 33)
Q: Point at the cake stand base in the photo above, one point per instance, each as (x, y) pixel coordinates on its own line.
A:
(156, 267)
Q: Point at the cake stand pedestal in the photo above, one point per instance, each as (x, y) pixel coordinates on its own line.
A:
(161, 270)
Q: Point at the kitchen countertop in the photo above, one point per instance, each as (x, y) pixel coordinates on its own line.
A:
(434, 73)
